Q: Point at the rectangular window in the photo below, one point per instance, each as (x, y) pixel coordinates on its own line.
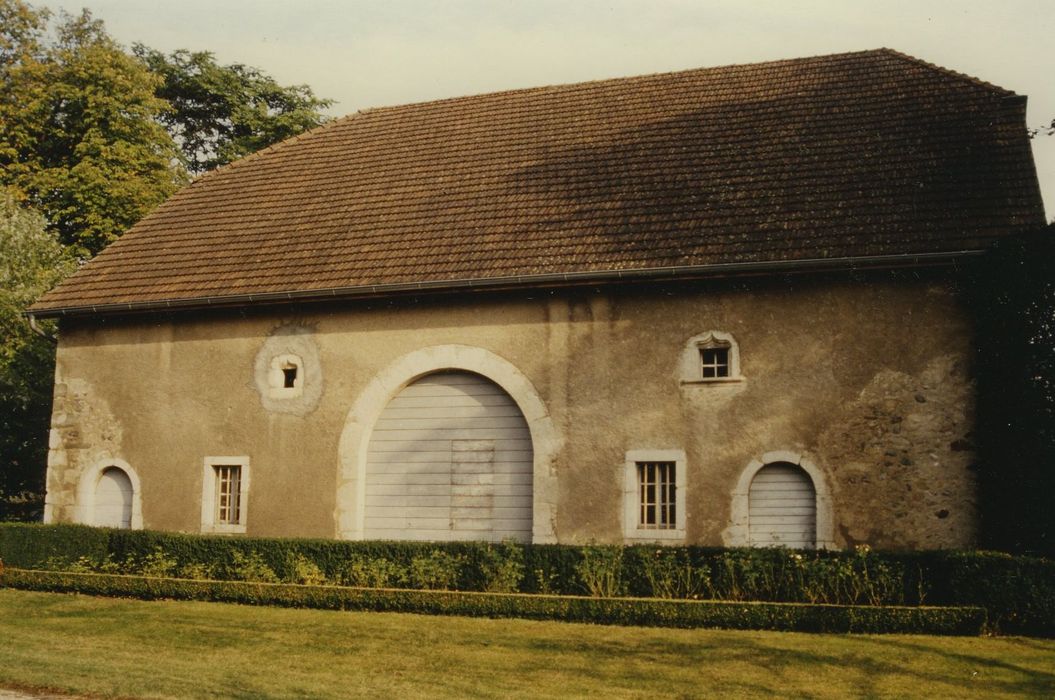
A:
(654, 495)
(658, 488)
(224, 495)
(228, 494)
(715, 362)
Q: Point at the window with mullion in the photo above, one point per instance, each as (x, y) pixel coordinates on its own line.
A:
(657, 485)
(714, 362)
(228, 490)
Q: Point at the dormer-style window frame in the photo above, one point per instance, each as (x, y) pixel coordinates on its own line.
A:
(711, 358)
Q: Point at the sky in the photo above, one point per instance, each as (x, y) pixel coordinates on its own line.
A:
(384, 52)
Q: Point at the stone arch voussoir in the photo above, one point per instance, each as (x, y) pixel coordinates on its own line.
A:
(355, 437)
(736, 535)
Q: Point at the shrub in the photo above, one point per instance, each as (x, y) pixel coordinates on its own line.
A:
(372, 573)
(159, 564)
(197, 571)
(616, 611)
(300, 569)
(250, 567)
(601, 570)
(671, 574)
(1017, 591)
(438, 570)
(502, 567)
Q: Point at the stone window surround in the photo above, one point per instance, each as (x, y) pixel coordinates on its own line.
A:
(546, 441)
(691, 371)
(737, 534)
(208, 495)
(631, 498)
(296, 343)
(276, 378)
(84, 511)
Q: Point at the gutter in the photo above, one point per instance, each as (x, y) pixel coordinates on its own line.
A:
(38, 330)
(672, 273)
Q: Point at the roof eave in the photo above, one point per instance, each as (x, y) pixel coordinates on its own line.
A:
(672, 273)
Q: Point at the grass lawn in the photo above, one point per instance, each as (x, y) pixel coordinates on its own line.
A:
(129, 648)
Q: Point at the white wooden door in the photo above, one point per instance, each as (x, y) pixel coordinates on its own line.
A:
(113, 499)
(449, 459)
(782, 507)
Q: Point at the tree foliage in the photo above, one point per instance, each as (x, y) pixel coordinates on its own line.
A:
(1014, 298)
(92, 138)
(1046, 129)
(221, 113)
(33, 261)
(80, 135)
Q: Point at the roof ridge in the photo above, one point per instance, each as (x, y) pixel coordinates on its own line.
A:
(743, 162)
(966, 77)
(614, 80)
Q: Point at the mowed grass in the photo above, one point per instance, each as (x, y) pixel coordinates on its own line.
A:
(130, 648)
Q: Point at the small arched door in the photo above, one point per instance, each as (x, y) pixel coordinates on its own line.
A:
(450, 458)
(113, 499)
(782, 508)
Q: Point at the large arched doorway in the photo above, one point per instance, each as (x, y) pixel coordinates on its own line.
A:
(449, 458)
(782, 507)
(113, 499)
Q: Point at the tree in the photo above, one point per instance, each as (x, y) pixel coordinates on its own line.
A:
(1013, 296)
(221, 113)
(1047, 129)
(84, 142)
(33, 261)
(80, 135)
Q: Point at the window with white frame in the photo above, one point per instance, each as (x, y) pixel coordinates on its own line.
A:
(654, 495)
(711, 357)
(657, 492)
(224, 494)
(228, 494)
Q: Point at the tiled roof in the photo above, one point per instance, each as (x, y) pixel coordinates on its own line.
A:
(861, 154)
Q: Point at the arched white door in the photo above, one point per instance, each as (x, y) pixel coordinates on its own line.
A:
(113, 499)
(782, 508)
(450, 458)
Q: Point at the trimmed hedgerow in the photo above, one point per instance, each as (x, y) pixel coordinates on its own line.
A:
(796, 617)
(32, 544)
(1018, 592)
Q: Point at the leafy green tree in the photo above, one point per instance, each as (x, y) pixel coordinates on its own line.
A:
(80, 134)
(85, 141)
(221, 113)
(33, 261)
(21, 28)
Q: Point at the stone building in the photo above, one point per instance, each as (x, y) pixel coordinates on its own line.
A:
(716, 306)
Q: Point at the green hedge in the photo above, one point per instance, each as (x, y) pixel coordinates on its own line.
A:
(613, 611)
(1018, 592)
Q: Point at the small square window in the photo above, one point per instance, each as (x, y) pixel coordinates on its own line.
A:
(289, 377)
(715, 362)
(710, 358)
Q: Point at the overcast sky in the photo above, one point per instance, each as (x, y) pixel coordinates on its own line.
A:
(384, 52)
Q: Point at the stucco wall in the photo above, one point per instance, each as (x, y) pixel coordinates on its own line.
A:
(868, 381)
